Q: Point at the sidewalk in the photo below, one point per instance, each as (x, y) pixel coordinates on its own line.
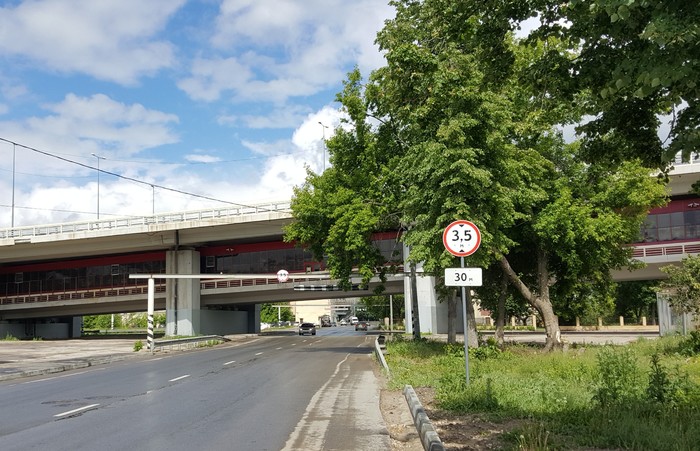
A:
(24, 358)
(35, 358)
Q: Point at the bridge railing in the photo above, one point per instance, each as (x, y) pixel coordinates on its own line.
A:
(128, 222)
(663, 250)
(141, 289)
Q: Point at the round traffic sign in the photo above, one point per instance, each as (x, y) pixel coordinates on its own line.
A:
(461, 238)
(282, 275)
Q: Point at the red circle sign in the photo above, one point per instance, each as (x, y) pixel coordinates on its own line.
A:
(461, 238)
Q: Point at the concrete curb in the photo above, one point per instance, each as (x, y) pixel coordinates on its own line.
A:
(428, 436)
(61, 366)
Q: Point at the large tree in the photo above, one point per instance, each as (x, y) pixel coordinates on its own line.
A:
(632, 59)
(435, 136)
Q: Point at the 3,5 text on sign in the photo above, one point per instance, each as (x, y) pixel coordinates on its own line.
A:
(463, 277)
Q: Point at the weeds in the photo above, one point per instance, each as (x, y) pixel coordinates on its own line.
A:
(138, 345)
(641, 396)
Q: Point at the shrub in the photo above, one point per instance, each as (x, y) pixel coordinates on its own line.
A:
(138, 346)
(618, 376)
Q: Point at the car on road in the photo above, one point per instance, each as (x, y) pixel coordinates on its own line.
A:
(307, 328)
(343, 322)
(362, 325)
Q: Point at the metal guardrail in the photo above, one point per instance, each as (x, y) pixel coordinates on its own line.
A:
(205, 285)
(27, 232)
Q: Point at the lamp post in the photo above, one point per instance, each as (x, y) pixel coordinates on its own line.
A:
(14, 153)
(324, 127)
(98, 182)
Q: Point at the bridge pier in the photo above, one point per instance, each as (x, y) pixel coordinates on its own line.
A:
(182, 296)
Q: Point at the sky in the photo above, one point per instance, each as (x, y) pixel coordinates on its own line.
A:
(180, 104)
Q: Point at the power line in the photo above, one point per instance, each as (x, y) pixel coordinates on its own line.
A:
(152, 185)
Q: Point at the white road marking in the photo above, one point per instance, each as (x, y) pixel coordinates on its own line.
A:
(71, 412)
(258, 353)
(178, 378)
(228, 363)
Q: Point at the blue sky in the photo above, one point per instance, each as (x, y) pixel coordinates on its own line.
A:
(220, 98)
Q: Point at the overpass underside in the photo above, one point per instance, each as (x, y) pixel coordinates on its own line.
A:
(193, 307)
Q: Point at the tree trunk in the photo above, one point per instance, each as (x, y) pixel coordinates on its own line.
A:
(501, 313)
(541, 301)
(470, 333)
(452, 318)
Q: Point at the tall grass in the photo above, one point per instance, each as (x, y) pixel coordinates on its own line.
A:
(645, 395)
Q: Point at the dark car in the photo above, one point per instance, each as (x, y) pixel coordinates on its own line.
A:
(307, 328)
(362, 325)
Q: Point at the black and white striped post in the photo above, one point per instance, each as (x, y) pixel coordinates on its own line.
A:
(151, 308)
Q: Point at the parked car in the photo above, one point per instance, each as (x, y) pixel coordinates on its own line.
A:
(307, 328)
(362, 325)
(343, 322)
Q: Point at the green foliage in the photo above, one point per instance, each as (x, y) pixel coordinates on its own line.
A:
(618, 377)
(551, 393)
(138, 345)
(683, 284)
(270, 314)
(102, 322)
(690, 345)
(10, 337)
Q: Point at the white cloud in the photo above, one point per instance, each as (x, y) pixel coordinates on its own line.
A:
(199, 158)
(301, 48)
(107, 39)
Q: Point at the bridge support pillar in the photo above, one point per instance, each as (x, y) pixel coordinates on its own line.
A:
(182, 296)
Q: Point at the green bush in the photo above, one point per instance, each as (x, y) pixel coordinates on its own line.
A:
(618, 376)
(138, 346)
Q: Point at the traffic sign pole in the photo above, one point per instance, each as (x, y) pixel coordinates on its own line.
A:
(464, 318)
(461, 239)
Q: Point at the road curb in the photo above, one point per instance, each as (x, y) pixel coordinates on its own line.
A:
(428, 436)
(59, 367)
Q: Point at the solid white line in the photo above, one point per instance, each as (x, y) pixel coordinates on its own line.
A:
(228, 363)
(178, 378)
(70, 412)
(258, 353)
(277, 349)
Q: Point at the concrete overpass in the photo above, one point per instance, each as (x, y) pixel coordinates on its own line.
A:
(192, 306)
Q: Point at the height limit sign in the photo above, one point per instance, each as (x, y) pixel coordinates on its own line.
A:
(461, 238)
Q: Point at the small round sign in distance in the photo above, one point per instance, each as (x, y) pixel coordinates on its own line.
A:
(461, 238)
(282, 275)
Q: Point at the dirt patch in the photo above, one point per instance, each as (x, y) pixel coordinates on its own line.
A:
(457, 432)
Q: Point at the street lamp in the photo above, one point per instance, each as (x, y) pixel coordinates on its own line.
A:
(324, 144)
(98, 181)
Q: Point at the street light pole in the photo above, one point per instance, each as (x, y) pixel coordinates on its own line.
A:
(98, 182)
(14, 153)
(324, 143)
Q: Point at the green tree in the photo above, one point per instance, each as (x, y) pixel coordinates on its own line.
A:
(377, 307)
(683, 284)
(270, 314)
(630, 59)
(636, 299)
(434, 137)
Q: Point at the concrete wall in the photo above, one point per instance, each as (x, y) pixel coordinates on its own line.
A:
(223, 322)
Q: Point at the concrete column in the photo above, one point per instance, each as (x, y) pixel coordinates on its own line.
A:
(622, 321)
(534, 321)
(512, 321)
(644, 320)
(578, 322)
(182, 296)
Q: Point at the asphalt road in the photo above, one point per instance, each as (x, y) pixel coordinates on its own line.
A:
(281, 392)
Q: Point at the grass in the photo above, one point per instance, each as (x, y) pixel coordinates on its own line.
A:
(645, 395)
